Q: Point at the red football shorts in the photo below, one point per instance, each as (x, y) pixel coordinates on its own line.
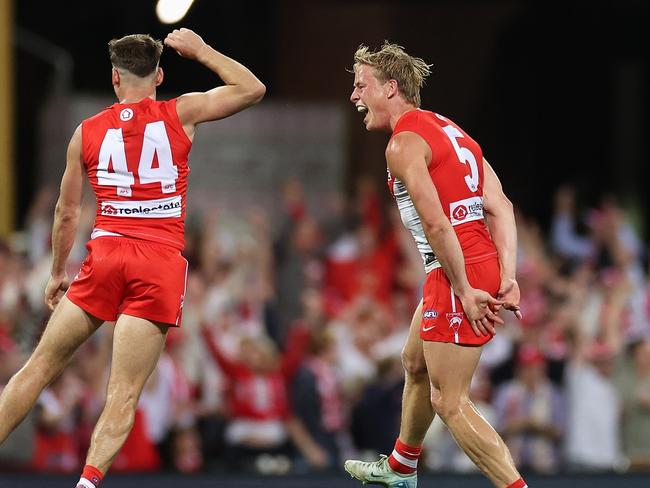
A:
(443, 319)
(131, 276)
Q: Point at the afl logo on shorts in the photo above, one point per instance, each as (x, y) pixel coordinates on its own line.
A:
(430, 314)
(126, 114)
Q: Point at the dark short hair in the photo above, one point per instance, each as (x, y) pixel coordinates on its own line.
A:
(136, 53)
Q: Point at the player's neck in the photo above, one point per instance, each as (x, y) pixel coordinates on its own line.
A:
(398, 112)
(135, 95)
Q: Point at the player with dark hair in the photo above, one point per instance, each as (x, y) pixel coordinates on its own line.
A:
(135, 154)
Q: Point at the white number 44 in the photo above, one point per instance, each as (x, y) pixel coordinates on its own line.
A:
(155, 143)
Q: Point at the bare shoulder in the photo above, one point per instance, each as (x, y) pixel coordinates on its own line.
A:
(187, 103)
(407, 145)
(75, 140)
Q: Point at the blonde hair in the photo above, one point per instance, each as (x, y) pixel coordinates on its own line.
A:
(392, 62)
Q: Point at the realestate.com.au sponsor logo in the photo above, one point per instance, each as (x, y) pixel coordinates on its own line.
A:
(466, 210)
(156, 209)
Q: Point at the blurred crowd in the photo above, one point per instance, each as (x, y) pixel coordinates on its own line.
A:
(288, 359)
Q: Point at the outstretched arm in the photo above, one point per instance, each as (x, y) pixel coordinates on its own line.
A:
(407, 155)
(501, 222)
(242, 89)
(66, 219)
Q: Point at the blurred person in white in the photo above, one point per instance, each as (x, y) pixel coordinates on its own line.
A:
(612, 241)
(358, 330)
(38, 224)
(17, 452)
(634, 385)
(530, 414)
(135, 154)
(594, 406)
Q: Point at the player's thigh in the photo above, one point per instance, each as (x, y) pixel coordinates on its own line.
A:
(412, 353)
(137, 344)
(68, 327)
(451, 367)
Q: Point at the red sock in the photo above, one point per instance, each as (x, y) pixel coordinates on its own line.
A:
(404, 459)
(92, 474)
(520, 483)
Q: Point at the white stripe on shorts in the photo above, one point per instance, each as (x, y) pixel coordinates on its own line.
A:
(453, 299)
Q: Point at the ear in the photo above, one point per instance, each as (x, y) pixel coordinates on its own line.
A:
(115, 77)
(391, 88)
(159, 76)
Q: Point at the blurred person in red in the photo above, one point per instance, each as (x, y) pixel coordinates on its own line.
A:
(530, 413)
(444, 189)
(135, 154)
(258, 378)
(58, 410)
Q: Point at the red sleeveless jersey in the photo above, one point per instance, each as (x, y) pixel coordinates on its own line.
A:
(136, 155)
(456, 169)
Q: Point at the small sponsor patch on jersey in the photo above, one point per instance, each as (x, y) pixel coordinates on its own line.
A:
(126, 114)
(148, 209)
(466, 210)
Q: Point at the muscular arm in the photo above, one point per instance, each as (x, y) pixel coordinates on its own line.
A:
(501, 221)
(66, 219)
(407, 156)
(242, 89)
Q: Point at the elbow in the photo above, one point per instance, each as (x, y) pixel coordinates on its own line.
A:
(503, 208)
(507, 205)
(257, 92)
(66, 213)
(435, 229)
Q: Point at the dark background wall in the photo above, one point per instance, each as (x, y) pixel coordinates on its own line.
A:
(553, 91)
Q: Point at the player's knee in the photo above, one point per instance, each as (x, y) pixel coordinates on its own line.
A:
(124, 397)
(414, 364)
(121, 404)
(446, 406)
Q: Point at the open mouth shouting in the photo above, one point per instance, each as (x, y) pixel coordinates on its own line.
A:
(363, 110)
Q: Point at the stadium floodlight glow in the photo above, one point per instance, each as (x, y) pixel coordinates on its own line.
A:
(172, 11)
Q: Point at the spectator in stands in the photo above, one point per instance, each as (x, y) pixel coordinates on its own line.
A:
(258, 401)
(317, 404)
(530, 414)
(634, 386)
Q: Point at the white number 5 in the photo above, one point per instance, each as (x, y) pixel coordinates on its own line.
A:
(156, 143)
(465, 156)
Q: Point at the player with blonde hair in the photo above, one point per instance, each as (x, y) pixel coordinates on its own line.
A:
(444, 190)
